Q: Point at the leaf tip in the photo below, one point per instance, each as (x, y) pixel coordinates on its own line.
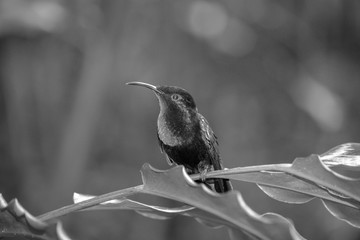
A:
(3, 203)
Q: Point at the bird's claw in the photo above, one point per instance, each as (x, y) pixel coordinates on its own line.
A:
(203, 175)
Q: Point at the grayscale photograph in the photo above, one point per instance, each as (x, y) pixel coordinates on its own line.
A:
(188, 119)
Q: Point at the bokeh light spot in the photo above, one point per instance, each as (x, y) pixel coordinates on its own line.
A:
(207, 19)
(323, 105)
(238, 39)
(49, 15)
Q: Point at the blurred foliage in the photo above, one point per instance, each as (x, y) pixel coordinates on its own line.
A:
(275, 79)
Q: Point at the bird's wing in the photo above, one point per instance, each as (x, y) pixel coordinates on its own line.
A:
(210, 139)
(161, 144)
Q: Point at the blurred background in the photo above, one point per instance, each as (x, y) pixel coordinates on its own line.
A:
(276, 80)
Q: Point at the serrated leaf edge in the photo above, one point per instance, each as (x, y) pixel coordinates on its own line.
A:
(232, 196)
(19, 212)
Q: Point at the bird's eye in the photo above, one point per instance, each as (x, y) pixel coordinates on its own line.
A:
(175, 97)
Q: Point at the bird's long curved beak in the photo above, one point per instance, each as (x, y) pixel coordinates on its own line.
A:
(147, 85)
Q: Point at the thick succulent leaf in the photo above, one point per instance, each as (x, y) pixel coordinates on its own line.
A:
(277, 182)
(345, 155)
(307, 178)
(206, 206)
(312, 169)
(152, 211)
(282, 186)
(347, 214)
(229, 208)
(15, 221)
(287, 196)
(147, 210)
(284, 221)
(310, 176)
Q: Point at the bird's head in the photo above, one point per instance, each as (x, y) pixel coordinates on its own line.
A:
(173, 99)
(177, 120)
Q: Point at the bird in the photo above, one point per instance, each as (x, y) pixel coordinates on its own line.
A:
(185, 136)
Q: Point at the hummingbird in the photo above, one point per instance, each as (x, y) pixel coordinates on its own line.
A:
(185, 136)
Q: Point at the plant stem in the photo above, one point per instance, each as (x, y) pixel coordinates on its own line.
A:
(89, 203)
(269, 167)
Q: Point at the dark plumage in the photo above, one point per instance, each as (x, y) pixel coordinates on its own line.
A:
(184, 134)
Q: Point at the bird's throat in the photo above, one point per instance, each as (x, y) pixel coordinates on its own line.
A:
(175, 129)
